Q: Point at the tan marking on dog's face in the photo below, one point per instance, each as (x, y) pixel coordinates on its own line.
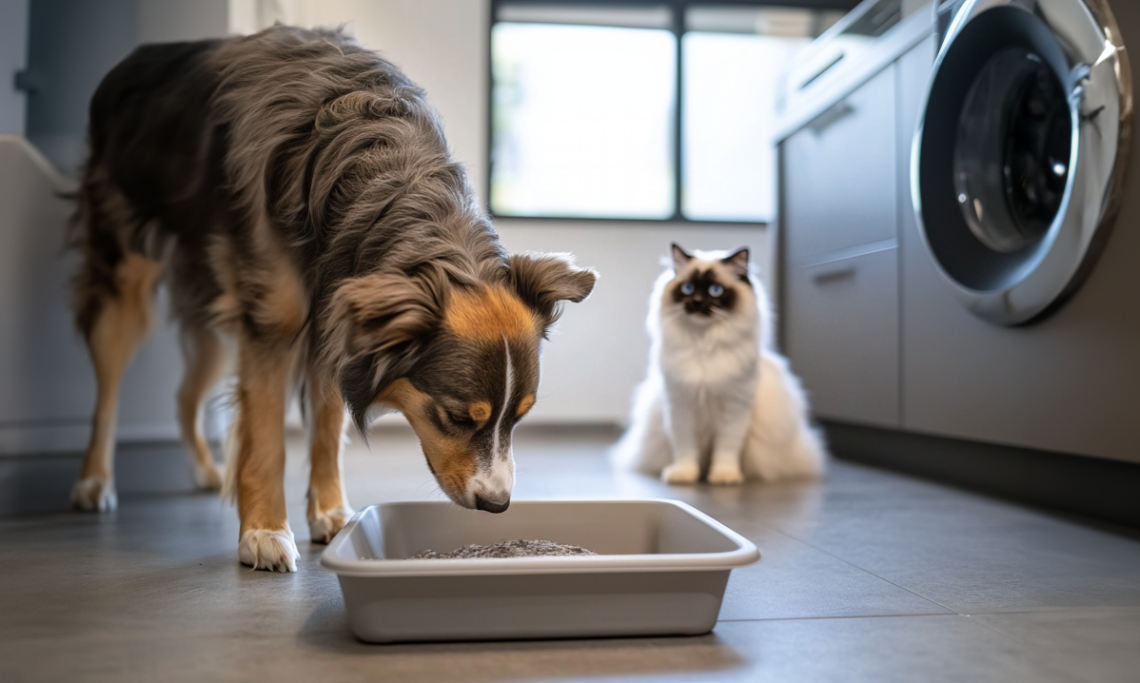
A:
(525, 405)
(452, 459)
(489, 314)
(480, 411)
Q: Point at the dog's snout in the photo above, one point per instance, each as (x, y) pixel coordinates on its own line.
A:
(485, 505)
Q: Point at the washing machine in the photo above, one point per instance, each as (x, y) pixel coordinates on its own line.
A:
(1020, 280)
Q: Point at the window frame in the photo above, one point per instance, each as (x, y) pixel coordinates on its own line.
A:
(677, 28)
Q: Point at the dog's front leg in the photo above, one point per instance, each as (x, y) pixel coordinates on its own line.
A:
(328, 505)
(264, 374)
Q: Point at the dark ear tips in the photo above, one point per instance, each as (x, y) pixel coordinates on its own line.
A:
(680, 256)
(738, 262)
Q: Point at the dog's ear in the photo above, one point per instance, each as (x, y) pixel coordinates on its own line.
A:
(543, 281)
(377, 327)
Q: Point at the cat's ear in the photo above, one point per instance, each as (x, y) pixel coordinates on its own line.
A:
(681, 257)
(738, 263)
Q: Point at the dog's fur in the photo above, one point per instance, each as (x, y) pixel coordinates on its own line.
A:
(296, 193)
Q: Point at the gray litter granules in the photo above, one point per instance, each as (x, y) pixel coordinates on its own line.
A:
(504, 549)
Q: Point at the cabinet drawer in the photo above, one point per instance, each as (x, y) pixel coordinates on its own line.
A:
(839, 175)
(841, 333)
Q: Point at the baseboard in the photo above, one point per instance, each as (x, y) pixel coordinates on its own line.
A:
(41, 483)
(1105, 490)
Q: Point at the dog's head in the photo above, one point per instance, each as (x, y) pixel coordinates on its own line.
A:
(461, 362)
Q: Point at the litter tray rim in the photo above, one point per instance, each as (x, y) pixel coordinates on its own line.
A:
(746, 552)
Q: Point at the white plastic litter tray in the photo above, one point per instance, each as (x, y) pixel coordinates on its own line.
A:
(661, 569)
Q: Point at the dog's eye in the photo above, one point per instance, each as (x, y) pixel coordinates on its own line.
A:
(460, 420)
(688, 288)
(715, 290)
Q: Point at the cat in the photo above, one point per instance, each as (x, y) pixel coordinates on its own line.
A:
(717, 396)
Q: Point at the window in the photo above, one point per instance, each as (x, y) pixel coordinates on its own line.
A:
(639, 111)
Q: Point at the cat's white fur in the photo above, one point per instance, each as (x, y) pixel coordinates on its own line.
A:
(717, 392)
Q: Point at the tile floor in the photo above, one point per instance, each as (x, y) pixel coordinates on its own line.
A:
(867, 576)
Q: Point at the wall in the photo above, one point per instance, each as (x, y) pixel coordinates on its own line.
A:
(598, 354)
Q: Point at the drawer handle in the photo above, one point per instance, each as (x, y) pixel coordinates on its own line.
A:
(818, 74)
(830, 117)
(833, 274)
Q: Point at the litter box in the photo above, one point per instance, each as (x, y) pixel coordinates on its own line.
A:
(661, 569)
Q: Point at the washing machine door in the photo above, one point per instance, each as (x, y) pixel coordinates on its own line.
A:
(1021, 150)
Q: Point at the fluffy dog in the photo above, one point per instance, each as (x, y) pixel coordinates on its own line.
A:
(296, 194)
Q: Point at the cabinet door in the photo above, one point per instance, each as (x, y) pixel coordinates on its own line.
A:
(841, 329)
(839, 176)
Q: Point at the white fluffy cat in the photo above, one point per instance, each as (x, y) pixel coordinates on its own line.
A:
(717, 393)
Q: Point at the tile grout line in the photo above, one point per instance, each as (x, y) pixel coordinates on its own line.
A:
(867, 571)
(849, 616)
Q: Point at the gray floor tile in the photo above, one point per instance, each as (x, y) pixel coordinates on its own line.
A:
(794, 580)
(154, 591)
(883, 650)
(976, 555)
(1099, 646)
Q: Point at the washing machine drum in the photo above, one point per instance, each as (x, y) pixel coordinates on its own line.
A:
(1021, 151)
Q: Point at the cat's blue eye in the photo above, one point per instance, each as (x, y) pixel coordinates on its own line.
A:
(715, 290)
(688, 288)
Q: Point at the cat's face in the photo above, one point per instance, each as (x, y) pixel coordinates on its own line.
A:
(707, 288)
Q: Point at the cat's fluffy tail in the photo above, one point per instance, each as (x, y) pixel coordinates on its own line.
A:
(781, 442)
(644, 447)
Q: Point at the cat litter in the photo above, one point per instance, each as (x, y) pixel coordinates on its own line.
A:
(656, 567)
(503, 549)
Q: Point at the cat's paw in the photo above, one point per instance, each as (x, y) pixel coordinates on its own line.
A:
(681, 473)
(726, 475)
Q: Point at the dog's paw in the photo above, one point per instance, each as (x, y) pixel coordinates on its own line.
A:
(273, 550)
(726, 475)
(94, 494)
(208, 478)
(681, 473)
(325, 525)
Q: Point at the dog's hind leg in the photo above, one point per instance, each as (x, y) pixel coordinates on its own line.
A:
(205, 358)
(118, 319)
(328, 505)
(256, 471)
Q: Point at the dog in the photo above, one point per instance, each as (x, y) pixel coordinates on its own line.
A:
(296, 194)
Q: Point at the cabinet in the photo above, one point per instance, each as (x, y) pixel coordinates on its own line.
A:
(839, 250)
(839, 174)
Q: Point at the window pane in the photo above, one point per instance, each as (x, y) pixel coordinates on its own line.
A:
(582, 121)
(730, 89)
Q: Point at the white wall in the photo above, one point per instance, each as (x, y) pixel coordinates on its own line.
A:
(598, 353)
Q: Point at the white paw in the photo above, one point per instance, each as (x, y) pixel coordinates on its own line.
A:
(269, 549)
(726, 475)
(324, 526)
(208, 478)
(94, 494)
(681, 473)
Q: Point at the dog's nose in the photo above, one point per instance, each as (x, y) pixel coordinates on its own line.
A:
(485, 505)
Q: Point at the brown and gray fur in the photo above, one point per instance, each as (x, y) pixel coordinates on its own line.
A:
(296, 194)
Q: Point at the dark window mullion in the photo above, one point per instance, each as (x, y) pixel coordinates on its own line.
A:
(678, 109)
